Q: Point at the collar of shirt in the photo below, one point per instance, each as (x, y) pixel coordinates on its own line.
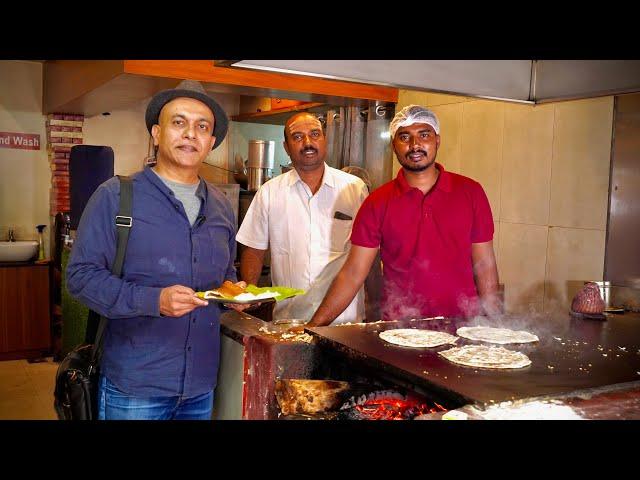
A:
(443, 183)
(327, 177)
(154, 178)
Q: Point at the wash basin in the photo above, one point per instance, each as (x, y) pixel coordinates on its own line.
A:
(20, 251)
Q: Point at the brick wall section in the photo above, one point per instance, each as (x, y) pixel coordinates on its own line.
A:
(63, 132)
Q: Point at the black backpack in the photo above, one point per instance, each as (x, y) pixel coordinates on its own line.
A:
(76, 389)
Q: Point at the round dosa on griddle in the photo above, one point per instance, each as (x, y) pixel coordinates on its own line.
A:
(482, 356)
(413, 337)
(496, 335)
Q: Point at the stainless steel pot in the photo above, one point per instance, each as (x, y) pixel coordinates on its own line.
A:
(260, 162)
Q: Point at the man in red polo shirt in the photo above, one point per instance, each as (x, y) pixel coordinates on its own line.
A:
(434, 230)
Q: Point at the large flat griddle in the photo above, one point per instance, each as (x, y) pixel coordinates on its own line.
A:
(572, 354)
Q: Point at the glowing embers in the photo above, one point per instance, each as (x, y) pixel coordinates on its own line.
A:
(387, 405)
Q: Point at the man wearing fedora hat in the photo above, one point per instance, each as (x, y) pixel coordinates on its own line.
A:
(161, 344)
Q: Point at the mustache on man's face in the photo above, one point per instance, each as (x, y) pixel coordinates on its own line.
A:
(308, 149)
(424, 152)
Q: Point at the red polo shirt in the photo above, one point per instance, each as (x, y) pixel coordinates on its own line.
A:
(425, 244)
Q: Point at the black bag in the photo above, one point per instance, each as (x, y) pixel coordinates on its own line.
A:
(76, 389)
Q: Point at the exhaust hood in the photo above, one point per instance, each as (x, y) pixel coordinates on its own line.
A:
(527, 81)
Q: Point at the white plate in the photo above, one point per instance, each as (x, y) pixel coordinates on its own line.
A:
(239, 302)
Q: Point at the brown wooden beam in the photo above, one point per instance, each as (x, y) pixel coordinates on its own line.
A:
(206, 71)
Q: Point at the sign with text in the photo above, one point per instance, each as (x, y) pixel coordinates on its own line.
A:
(24, 141)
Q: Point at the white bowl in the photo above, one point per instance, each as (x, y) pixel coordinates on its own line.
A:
(21, 251)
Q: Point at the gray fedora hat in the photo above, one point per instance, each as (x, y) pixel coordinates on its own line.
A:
(190, 89)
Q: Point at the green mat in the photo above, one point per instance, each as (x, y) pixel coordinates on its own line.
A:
(74, 314)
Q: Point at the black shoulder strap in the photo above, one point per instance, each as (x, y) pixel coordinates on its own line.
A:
(124, 222)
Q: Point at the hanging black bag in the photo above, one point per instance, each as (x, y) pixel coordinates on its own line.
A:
(76, 389)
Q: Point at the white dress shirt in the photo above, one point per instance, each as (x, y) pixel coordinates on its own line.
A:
(308, 243)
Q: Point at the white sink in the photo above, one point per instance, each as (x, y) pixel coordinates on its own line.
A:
(18, 251)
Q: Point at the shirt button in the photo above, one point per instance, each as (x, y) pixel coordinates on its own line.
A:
(194, 320)
(188, 349)
(195, 259)
(177, 207)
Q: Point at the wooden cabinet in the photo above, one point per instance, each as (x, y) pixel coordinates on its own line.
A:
(25, 310)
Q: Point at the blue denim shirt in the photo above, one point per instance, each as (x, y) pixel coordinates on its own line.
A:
(146, 354)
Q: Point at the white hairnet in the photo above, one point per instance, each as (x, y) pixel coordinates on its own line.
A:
(413, 114)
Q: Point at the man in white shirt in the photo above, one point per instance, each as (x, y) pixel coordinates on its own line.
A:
(304, 216)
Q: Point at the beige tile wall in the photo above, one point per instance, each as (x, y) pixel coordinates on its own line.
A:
(526, 166)
(25, 176)
(545, 169)
(481, 149)
(407, 97)
(522, 274)
(573, 256)
(581, 158)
